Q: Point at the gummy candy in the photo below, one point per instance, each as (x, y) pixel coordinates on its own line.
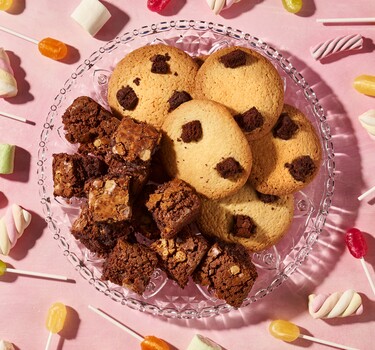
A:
(365, 84)
(157, 5)
(284, 330)
(293, 6)
(153, 343)
(53, 48)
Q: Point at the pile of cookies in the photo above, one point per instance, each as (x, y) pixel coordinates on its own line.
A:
(189, 140)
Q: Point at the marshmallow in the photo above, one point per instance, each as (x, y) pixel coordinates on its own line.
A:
(218, 5)
(8, 84)
(5, 345)
(202, 343)
(7, 158)
(91, 15)
(12, 226)
(367, 120)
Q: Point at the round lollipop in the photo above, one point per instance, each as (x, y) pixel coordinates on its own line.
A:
(55, 320)
(356, 243)
(289, 332)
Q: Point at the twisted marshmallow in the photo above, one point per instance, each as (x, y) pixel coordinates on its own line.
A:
(344, 43)
(12, 226)
(217, 5)
(337, 304)
(8, 84)
(367, 120)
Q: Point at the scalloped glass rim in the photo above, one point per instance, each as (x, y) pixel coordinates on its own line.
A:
(315, 219)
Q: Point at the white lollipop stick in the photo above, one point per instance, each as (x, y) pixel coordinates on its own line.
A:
(326, 342)
(10, 31)
(48, 341)
(367, 193)
(116, 323)
(367, 272)
(346, 20)
(12, 116)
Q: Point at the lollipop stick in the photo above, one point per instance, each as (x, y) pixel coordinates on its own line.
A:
(37, 274)
(12, 116)
(346, 20)
(367, 193)
(325, 342)
(367, 272)
(116, 323)
(48, 341)
(9, 31)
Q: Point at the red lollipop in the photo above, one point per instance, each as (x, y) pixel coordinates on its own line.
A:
(356, 243)
(157, 5)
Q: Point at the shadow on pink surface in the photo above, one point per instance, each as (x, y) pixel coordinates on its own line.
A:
(3, 200)
(239, 9)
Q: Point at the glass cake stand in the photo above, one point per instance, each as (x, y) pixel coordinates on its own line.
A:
(163, 297)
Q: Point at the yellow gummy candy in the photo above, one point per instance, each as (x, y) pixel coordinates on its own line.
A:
(365, 84)
(56, 317)
(284, 330)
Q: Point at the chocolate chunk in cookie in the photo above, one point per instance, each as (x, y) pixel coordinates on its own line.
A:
(249, 120)
(243, 226)
(160, 65)
(234, 59)
(285, 127)
(301, 168)
(127, 98)
(267, 198)
(192, 131)
(137, 81)
(229, 168)
(178, 98)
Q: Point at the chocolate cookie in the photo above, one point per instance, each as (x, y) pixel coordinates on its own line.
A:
(204, 146)
(288, 158)
(245, 82)
(150, 82)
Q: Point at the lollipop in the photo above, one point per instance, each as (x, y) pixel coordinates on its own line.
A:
(365, 84)
(12, 226)
(157, 5)
(292, 6)
(4, 269)
(48, 47)
(12, 116)
(55, 320)
(356, 243)
(5, 5)
(289, 332)
(346, 20)
(8, 84)
(149, 342)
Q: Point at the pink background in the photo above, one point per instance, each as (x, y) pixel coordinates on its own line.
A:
(24, 301)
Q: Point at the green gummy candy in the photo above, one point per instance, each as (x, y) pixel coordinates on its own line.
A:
(6, 158)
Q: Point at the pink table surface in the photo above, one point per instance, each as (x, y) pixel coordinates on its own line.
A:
(24, 301)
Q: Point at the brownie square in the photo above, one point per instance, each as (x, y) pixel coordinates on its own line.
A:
(228, 270)
(130, 265)
(135, 141)
(71, 171)
(173, 205)
(109, 198)
(99, 237)
(180, 256)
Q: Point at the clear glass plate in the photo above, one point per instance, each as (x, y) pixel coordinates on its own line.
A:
(163, 297)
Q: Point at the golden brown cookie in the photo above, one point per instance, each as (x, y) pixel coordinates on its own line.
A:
(254, 220)
(288, 158)
(245, 82)
(203, 145)
(147, 82)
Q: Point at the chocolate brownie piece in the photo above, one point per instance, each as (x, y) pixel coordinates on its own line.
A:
(173, 205)
(130, 265)
(99, 237)
(249, 120)
(85, 121)
(285, 127)
(135, 141)
(229, 168)
(71, 171)
(234, 59)
(301, 168)
(228, 270)
(180, 256)
(109, 198)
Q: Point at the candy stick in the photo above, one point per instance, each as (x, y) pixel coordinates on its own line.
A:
(356, 243)
(4, 269)
(367, 193)
(346, 20)
(55, 320)
(12, 116)
(288, 331)
(147, 342)
(48, 47)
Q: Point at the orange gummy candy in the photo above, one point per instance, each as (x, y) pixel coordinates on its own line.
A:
(153, 343)
(53, 48)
